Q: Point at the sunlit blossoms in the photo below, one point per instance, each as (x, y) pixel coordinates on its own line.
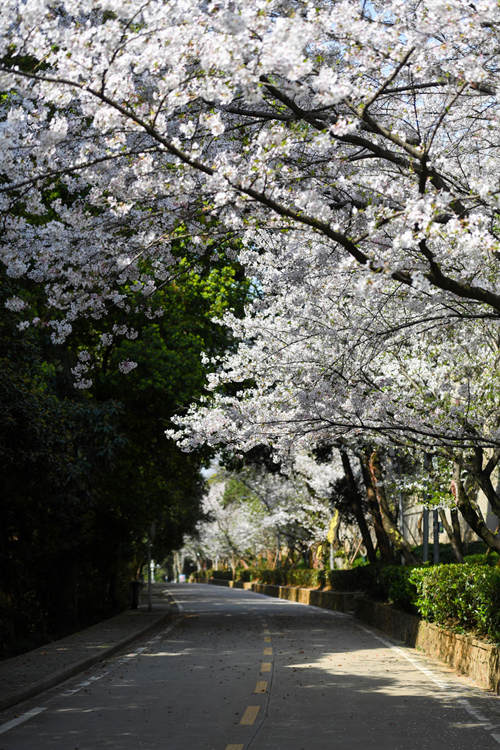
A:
(253, 511)
(352, 150)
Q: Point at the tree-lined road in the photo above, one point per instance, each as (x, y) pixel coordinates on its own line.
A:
(241, 670)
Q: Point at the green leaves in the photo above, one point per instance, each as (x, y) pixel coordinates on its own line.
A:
(466, 597)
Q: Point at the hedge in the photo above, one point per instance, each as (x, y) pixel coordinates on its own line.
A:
(464, 597)
(490, 558)
(308, 577)
(203, 576)
(395, 584)
(355, 579)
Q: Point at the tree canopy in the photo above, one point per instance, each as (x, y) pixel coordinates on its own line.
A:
(350, 148)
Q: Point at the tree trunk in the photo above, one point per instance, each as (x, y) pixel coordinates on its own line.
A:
(357, 507)
(457, 531)
(383, 541)
(482, 475)
(387, 513)
(456, 542)
(470, 509)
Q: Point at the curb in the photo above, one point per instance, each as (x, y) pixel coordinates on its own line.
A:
(463, 653)
(64, 674)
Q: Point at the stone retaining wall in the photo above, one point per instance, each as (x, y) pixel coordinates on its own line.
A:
(467, 655)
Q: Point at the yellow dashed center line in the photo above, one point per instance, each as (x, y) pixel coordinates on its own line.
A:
(251, 712)
(261, 686)
(250, 715)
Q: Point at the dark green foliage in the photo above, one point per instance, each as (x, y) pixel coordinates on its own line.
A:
(488, 558)
(87, 476)
(463, 597)
(355, 579)
(361, 578)
(466, 597)
(307, 577)
(55, 568)
(204, 576)
(221, 575)
(395, 584)
(154, 475)
(245, 574)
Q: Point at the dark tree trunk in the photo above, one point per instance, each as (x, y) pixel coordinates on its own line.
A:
(470, 510)
(357, 507)
(386, 511)
(383, 541)
(455, 540)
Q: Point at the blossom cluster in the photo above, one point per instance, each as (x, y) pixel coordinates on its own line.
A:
(351, 147)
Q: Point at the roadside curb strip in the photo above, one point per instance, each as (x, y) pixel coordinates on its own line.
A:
(463, 653)
(64, 674)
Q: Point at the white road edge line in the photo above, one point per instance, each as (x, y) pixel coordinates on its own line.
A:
(81, 685)
(482, 720)
(39, 709)
(485, 724)
(177, 604)
(21, 719)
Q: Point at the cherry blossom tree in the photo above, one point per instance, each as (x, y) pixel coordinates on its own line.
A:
(329, 366)
(232, 531)
(369, 127)
(253, 511)
(352, 148)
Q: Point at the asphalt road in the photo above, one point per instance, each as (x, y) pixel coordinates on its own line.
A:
(242, 671)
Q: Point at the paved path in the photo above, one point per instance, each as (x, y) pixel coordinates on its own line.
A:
(29, 674)
(241, 671)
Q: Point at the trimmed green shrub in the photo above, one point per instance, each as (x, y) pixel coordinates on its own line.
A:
(356, 579)
(491, 558)
(465, 597)
(308, 577)
(224, 575)
(245, 574)
(203, 576)
(362, 578)
(397, 586)
(265, 575)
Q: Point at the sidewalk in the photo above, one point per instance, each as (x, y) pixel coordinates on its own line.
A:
(23, 676)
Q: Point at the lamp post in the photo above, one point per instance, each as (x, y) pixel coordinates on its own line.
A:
(151, 536)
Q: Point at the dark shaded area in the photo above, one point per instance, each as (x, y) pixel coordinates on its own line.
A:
(90, 485)
(330, 685)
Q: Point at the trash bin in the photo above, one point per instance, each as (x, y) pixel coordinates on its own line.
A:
(135, 590)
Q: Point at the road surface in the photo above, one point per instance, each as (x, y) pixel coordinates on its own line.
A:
(241, 671)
